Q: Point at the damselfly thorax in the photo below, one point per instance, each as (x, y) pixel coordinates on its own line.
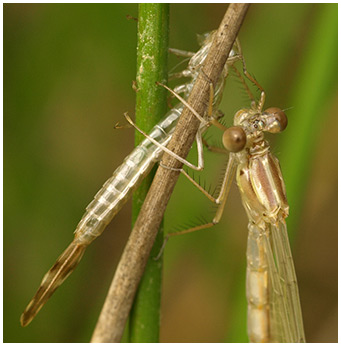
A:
(274, 311)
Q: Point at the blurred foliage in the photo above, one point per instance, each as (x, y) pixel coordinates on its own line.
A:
(68, 70)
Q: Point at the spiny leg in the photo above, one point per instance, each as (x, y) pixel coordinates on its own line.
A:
(245, 71)
(229, 173)
(213, 148)
(200, 188)
(250, 78)
(220, 201)
(252, 98)
(254, 81)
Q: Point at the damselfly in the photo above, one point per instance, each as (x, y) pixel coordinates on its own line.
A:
(274, 311)
(126, 178)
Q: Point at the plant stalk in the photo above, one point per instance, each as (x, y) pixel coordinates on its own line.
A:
(151, 106)
(121, 294)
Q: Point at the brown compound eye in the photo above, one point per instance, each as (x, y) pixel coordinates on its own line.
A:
(277, 120)
(234, 139)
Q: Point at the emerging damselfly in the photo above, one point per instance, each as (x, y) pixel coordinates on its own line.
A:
(126, 178)
(274, 311)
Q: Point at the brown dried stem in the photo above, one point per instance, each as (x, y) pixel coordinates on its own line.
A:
(121, 294)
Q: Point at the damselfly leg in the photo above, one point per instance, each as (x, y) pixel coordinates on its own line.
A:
(119, 187)
(274, 312)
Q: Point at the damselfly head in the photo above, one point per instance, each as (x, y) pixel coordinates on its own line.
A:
(272, 120)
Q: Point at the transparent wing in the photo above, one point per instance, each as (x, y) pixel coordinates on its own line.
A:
(285, 310)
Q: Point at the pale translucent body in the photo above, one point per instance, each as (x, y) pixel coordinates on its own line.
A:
(274, 311)
(119, 187)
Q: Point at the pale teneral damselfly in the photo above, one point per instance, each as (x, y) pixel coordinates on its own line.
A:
(126, 178)
(274, 311)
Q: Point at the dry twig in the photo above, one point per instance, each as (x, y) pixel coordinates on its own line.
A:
(121, 294)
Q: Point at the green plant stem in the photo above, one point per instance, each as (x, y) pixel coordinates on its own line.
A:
(119, 300)
(151, 105)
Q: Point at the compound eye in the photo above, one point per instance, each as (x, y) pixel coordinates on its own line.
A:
(234, 139)
(277, 120)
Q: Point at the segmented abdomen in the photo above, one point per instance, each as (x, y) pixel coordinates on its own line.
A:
(257, 286)
(117, 189)
(126, 178)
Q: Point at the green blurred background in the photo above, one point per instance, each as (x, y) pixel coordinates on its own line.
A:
(68, 70)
